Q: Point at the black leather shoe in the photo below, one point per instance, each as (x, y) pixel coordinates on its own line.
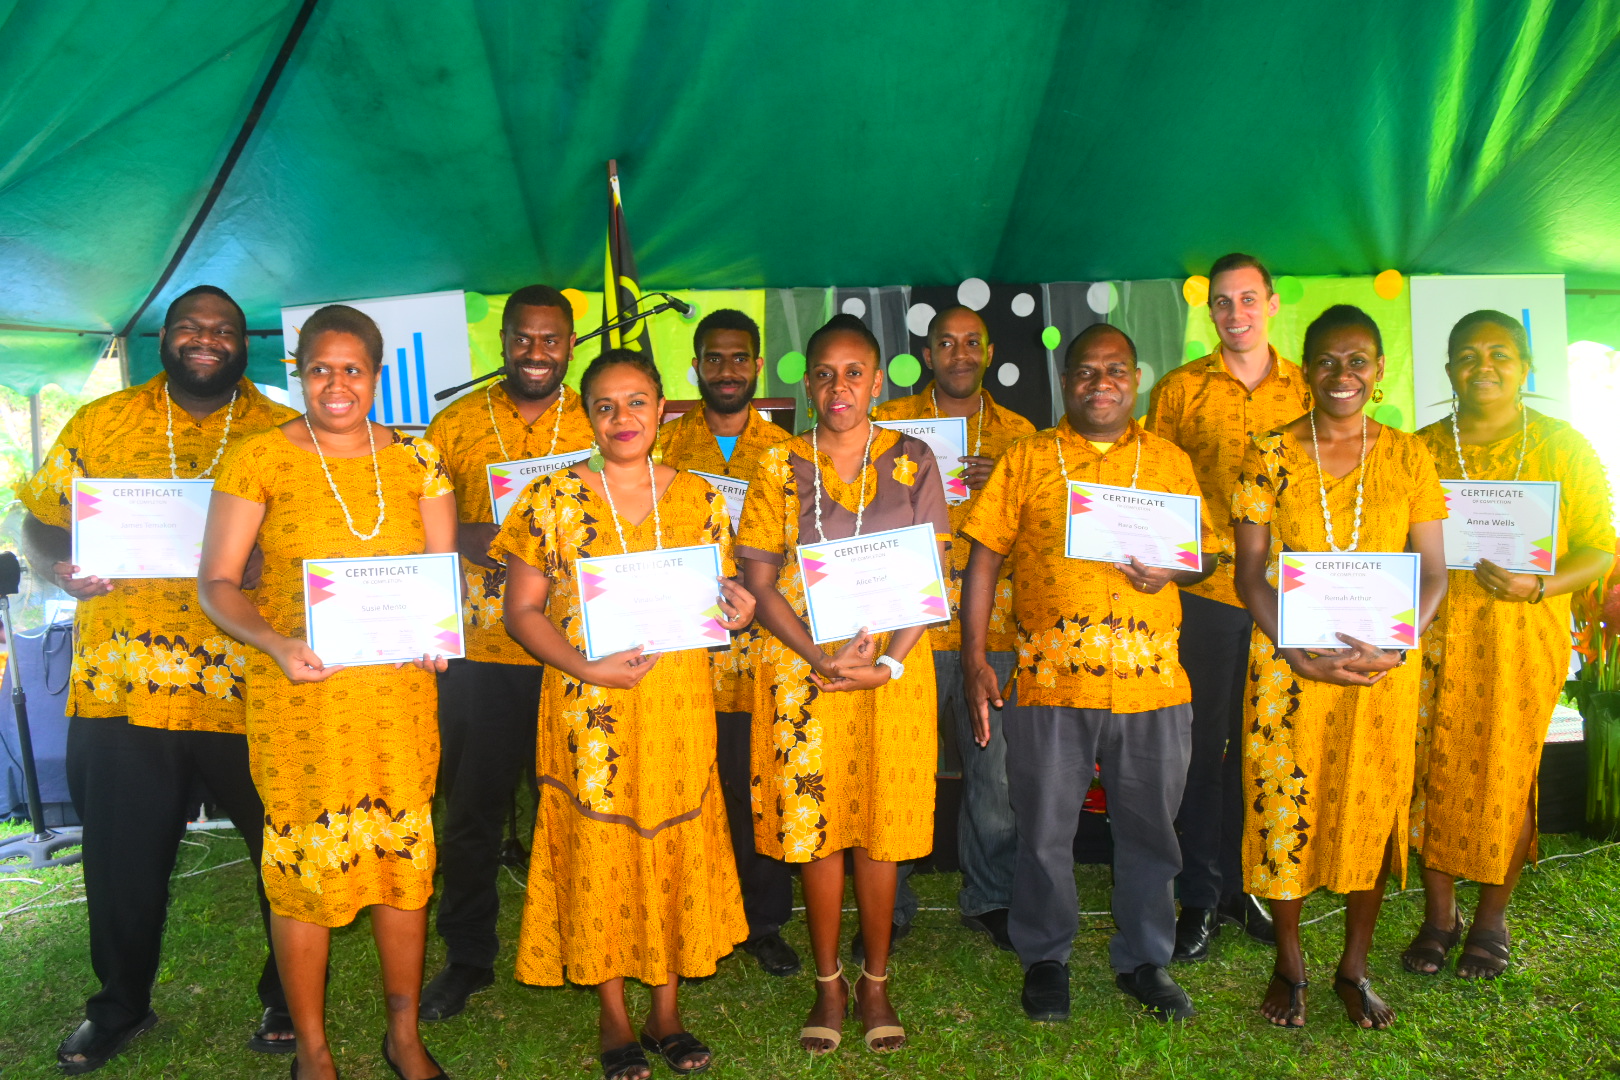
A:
(1046, 992)
(1157, 992)
(994, 923)
(857, 946)
(1251, 913)
(447, 994)
(775, 956)
(1196, 927)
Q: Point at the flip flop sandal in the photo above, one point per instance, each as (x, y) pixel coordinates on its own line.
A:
(274, 1022)
(1431, 946)
(97, 1045)
(1362, 986)
(1296, 1004)
(621, 1061)
(882, 1031)
(1494, 943)
(826, 1034)
(676, 1048)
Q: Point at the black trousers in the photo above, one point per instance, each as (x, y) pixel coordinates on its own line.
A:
(132, 788)
(767, 884)
(1214, 652)
(488, 714)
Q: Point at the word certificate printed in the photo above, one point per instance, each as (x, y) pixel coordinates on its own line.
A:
(882, 581)
(1514, 525)
(383, 610)
(665, 601)
(1370, 595)
(139, 528)
(1110, 524)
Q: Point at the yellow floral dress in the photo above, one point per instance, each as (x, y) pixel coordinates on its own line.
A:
(1492, 670)
(346, 766)
(631, 874)
(847, 769)
(1327, 769)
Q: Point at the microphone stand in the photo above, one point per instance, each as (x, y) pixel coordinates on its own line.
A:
(669, 303)
(41, 846)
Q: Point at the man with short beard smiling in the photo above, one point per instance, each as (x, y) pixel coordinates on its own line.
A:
(725, 437)
(156, 689)
(489, 702)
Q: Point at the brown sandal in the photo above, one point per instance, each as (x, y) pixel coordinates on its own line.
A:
(1432, 945)
(1494, 944)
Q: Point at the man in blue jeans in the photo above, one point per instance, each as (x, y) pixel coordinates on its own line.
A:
(958, 354)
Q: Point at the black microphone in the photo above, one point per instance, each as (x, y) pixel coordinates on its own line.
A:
(681, 306)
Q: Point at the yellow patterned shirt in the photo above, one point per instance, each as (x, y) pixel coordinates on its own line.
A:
(687, 443)
(1086, 639)
(1205, 410)
(471, 433)
(146, 650)
(989, 433)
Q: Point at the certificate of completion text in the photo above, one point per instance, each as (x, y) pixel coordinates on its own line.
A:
(383, 610)
(882, 581)
(1370, 595)
(1111, 524)
(664, 600)
(139, 528)
(1514, 525)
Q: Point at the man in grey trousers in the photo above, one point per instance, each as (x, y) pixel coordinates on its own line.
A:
(1097, 680)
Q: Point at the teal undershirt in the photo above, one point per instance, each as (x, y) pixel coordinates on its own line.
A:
(728, 443)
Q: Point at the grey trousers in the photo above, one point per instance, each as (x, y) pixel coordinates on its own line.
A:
(1050, 754)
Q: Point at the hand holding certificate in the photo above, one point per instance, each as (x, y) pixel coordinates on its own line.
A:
(879, 581)
(1114, 524)
(383, 610)
(1368, 595)
(1514, 525)
(139, 528)
(663, 601)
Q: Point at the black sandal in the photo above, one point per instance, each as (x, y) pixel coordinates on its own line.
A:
(676, 1048)
(1363, 987)
(1432, 945)
(1495, 946)
(397, 1071)
(98, 1045)
(1296, 1006)
(621, 1061)
(274, 1022)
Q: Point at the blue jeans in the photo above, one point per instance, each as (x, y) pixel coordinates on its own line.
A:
(987, 837)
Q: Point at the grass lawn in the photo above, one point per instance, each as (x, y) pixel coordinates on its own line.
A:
(1557, 1014)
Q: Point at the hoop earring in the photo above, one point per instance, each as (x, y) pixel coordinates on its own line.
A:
(1377, 395)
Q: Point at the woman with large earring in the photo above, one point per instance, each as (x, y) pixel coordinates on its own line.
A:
(1495, 659)
(344, 758)
(844, 734)
(1327, 745)
(632, 874)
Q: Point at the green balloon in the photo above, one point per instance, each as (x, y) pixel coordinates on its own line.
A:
(905, 370)
(1389, 416)
(790, 368)
(1290, 290)
(1051, 337)
(693, 312)
(1195, 349)
(477, 306)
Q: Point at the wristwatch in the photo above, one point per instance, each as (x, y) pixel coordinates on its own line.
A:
(897, 670)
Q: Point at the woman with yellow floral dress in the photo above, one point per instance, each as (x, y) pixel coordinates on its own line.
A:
(632, 874)
(844, 734)
(1496, 658)
(1327, 751)
(344, 759)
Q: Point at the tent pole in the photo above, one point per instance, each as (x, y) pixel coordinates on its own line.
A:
(121, 346)
(271, 78)
(36, 429)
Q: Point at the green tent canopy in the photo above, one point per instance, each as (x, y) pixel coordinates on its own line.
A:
(414, 147)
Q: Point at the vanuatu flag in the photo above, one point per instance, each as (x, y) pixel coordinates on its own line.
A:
(621, 293)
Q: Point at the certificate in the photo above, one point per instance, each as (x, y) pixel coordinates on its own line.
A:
(139, 528)
(946, 436)
(1515, 525)
(383, 610)
(733, 489)
(882, 581)
(1370, 595)
(508, 479)
(665, 601)
(1110, 524)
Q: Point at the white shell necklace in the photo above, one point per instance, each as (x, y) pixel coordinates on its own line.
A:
(978, 433)
(860, 491)
(658, 526)
(336, 494)
(219, 452)
(1321, 488)
(1456, 440)
(1063, 466)
(556, 424)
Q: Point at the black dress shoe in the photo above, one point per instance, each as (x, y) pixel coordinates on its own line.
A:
(775, 956)
(857, 945)
(1046, 992)
(1196, 927)
(1251, 913)
(447, 994)
(1157, 992)
(994, 923)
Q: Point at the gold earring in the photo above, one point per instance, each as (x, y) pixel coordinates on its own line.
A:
(1377, 395)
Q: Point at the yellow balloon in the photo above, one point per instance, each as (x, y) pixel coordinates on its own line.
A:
(1389, 284)
(579, 301)
(1196, 290)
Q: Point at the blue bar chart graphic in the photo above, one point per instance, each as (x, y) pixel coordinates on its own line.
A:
(406, 378)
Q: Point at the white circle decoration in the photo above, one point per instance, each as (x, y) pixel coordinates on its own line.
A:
(1102, 296)
(1007, 374)
(973, 293)
(691, 376)
(854, 306)
(1023, 305)
(1148, 377)
(918, 318)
